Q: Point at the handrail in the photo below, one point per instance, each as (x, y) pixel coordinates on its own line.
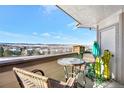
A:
(15, 60)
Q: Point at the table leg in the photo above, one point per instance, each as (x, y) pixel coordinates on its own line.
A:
(81, 71)
(66, 72)
(84, 78)
(72, 70)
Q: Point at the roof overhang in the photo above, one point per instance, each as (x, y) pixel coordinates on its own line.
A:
(89, 16)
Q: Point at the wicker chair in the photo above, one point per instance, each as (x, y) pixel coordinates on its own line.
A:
(28, 79)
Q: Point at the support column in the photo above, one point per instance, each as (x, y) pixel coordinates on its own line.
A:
(120, 61)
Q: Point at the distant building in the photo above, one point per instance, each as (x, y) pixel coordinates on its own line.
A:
(78, 48)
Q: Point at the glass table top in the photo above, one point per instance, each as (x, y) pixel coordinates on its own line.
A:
(70, 61)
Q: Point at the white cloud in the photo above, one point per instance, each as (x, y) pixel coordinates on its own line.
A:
(54, 38)
(35, 33)
(49, 9)
(74, 28)
(72, 25)
(16, 35)
(10, 34)
(6, 36)
(46, 35)
(90, 43)
(57, 37)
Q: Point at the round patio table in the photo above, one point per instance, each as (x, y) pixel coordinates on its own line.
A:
(71, 61)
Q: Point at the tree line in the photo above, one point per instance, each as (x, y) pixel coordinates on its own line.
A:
(22, 52)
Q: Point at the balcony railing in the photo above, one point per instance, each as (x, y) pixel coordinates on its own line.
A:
(46, 63)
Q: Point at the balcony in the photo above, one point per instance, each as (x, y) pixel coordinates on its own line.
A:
(47, 63)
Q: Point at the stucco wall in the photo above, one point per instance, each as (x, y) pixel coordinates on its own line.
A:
(112, 19)
(117, 20)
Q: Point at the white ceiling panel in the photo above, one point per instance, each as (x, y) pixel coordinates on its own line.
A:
(90, 15)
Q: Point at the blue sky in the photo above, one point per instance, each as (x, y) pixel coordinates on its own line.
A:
(40, 24)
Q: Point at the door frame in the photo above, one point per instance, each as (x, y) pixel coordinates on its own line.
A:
(116, 25)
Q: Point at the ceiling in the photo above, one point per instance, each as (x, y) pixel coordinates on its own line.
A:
(90, 15)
